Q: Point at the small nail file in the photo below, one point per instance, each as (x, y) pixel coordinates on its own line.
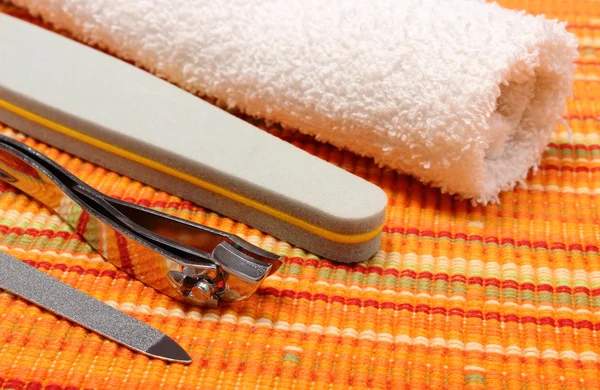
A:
(116, 115)
(45, 291)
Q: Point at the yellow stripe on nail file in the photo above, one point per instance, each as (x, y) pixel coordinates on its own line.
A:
(96, 106)
(328, 234)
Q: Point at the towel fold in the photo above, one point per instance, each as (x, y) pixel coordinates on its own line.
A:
(462, 94)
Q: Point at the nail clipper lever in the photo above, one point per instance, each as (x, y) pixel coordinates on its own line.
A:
(185, 260)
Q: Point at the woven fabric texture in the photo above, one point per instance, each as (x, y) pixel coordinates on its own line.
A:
(459, 296)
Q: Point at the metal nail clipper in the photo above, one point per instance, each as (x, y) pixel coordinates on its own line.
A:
(185, 260)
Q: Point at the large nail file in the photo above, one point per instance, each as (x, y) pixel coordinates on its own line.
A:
(116, 115)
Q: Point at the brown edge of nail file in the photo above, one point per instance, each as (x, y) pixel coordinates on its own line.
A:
(114, 114)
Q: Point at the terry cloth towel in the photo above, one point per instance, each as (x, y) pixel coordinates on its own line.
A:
(462, 94)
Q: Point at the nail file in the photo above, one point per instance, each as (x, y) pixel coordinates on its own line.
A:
(45, 291)
(116, 115)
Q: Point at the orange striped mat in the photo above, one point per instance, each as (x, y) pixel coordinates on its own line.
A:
(504, 296)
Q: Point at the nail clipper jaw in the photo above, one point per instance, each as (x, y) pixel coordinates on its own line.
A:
(257, 253)
(241, 266)
(238, 267)
(242, 274)
(236, 276)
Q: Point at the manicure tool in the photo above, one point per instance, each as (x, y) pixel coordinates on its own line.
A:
(35, 286)
(187, 261)
(116, 115)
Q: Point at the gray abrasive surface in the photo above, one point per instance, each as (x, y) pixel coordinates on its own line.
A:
(347, 253)
(60, 298)
(110, 100)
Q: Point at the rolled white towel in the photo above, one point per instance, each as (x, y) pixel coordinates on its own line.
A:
(462, 94)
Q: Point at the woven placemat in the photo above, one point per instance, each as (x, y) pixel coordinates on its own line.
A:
(503, 296)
